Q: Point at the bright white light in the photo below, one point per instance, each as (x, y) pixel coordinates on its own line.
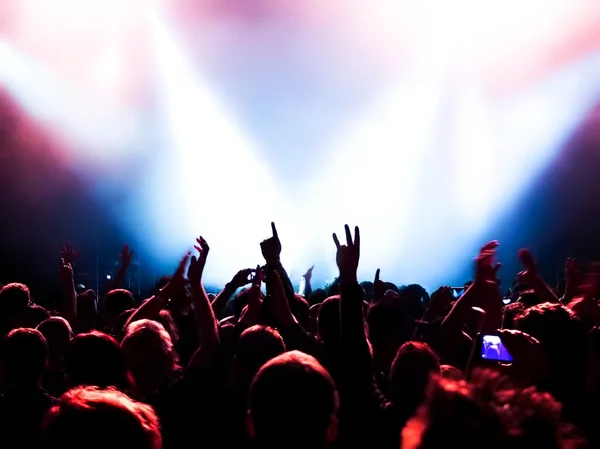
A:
(382, 171)
(370, 177)
(227, 194)
(447, 142)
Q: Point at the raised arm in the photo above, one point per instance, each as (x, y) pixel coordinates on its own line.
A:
(241, 278)
(483, 293)
(531, 275)
(292, 332)
(208, 326)
(271, 251)
(352, 329)
(124, 263)
(307, 285)
(151, 307)
(68, 305)
(359, 394)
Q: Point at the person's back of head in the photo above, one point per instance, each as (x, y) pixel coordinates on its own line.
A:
(14, 297)
(256, 346)
(100, 419)
(87, 310)
(411, 369)
(149, 354)
(316, 297)
(328, 321)
(300, 308)
(96, 359)
(388, 327)
(293, 403)
(414, 296)
(165, 317)
(23, 356)
(531, 418)
(529, 298)
(57, 332)
(565, 342)
(510, 312)
(116, 302)
(14, 300)
(118, 327)
(452, 416)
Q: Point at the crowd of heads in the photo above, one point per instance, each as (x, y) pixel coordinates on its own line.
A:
(349, 364)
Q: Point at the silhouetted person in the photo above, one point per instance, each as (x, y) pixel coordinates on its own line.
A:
(149, 356)
(100, 419)
(96, 359)
(17, 309)
(58, 335)
(23, 404)
(293, 403)
(116, 302)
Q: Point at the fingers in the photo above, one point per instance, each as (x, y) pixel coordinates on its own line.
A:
(348, 235)
(486, 257)
(274, 229)
(377, 274)
(490, 246)
(308, 272)
(526, 258)
(202, 245)
(257, 277)
(356, 236)
(336, 241)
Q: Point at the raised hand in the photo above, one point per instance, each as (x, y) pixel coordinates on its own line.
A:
(67, 253)
(126, 255)
(528, 263)
(178, 280)
(490, 246)
(203, 249)
(308, 274)
(379, 286)
(585, 306)
(271, 247)
(486, 268)
(440, 299)
(65, 271)
(197, 264)
(251, 312)
(348, 255)
(243, 277)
